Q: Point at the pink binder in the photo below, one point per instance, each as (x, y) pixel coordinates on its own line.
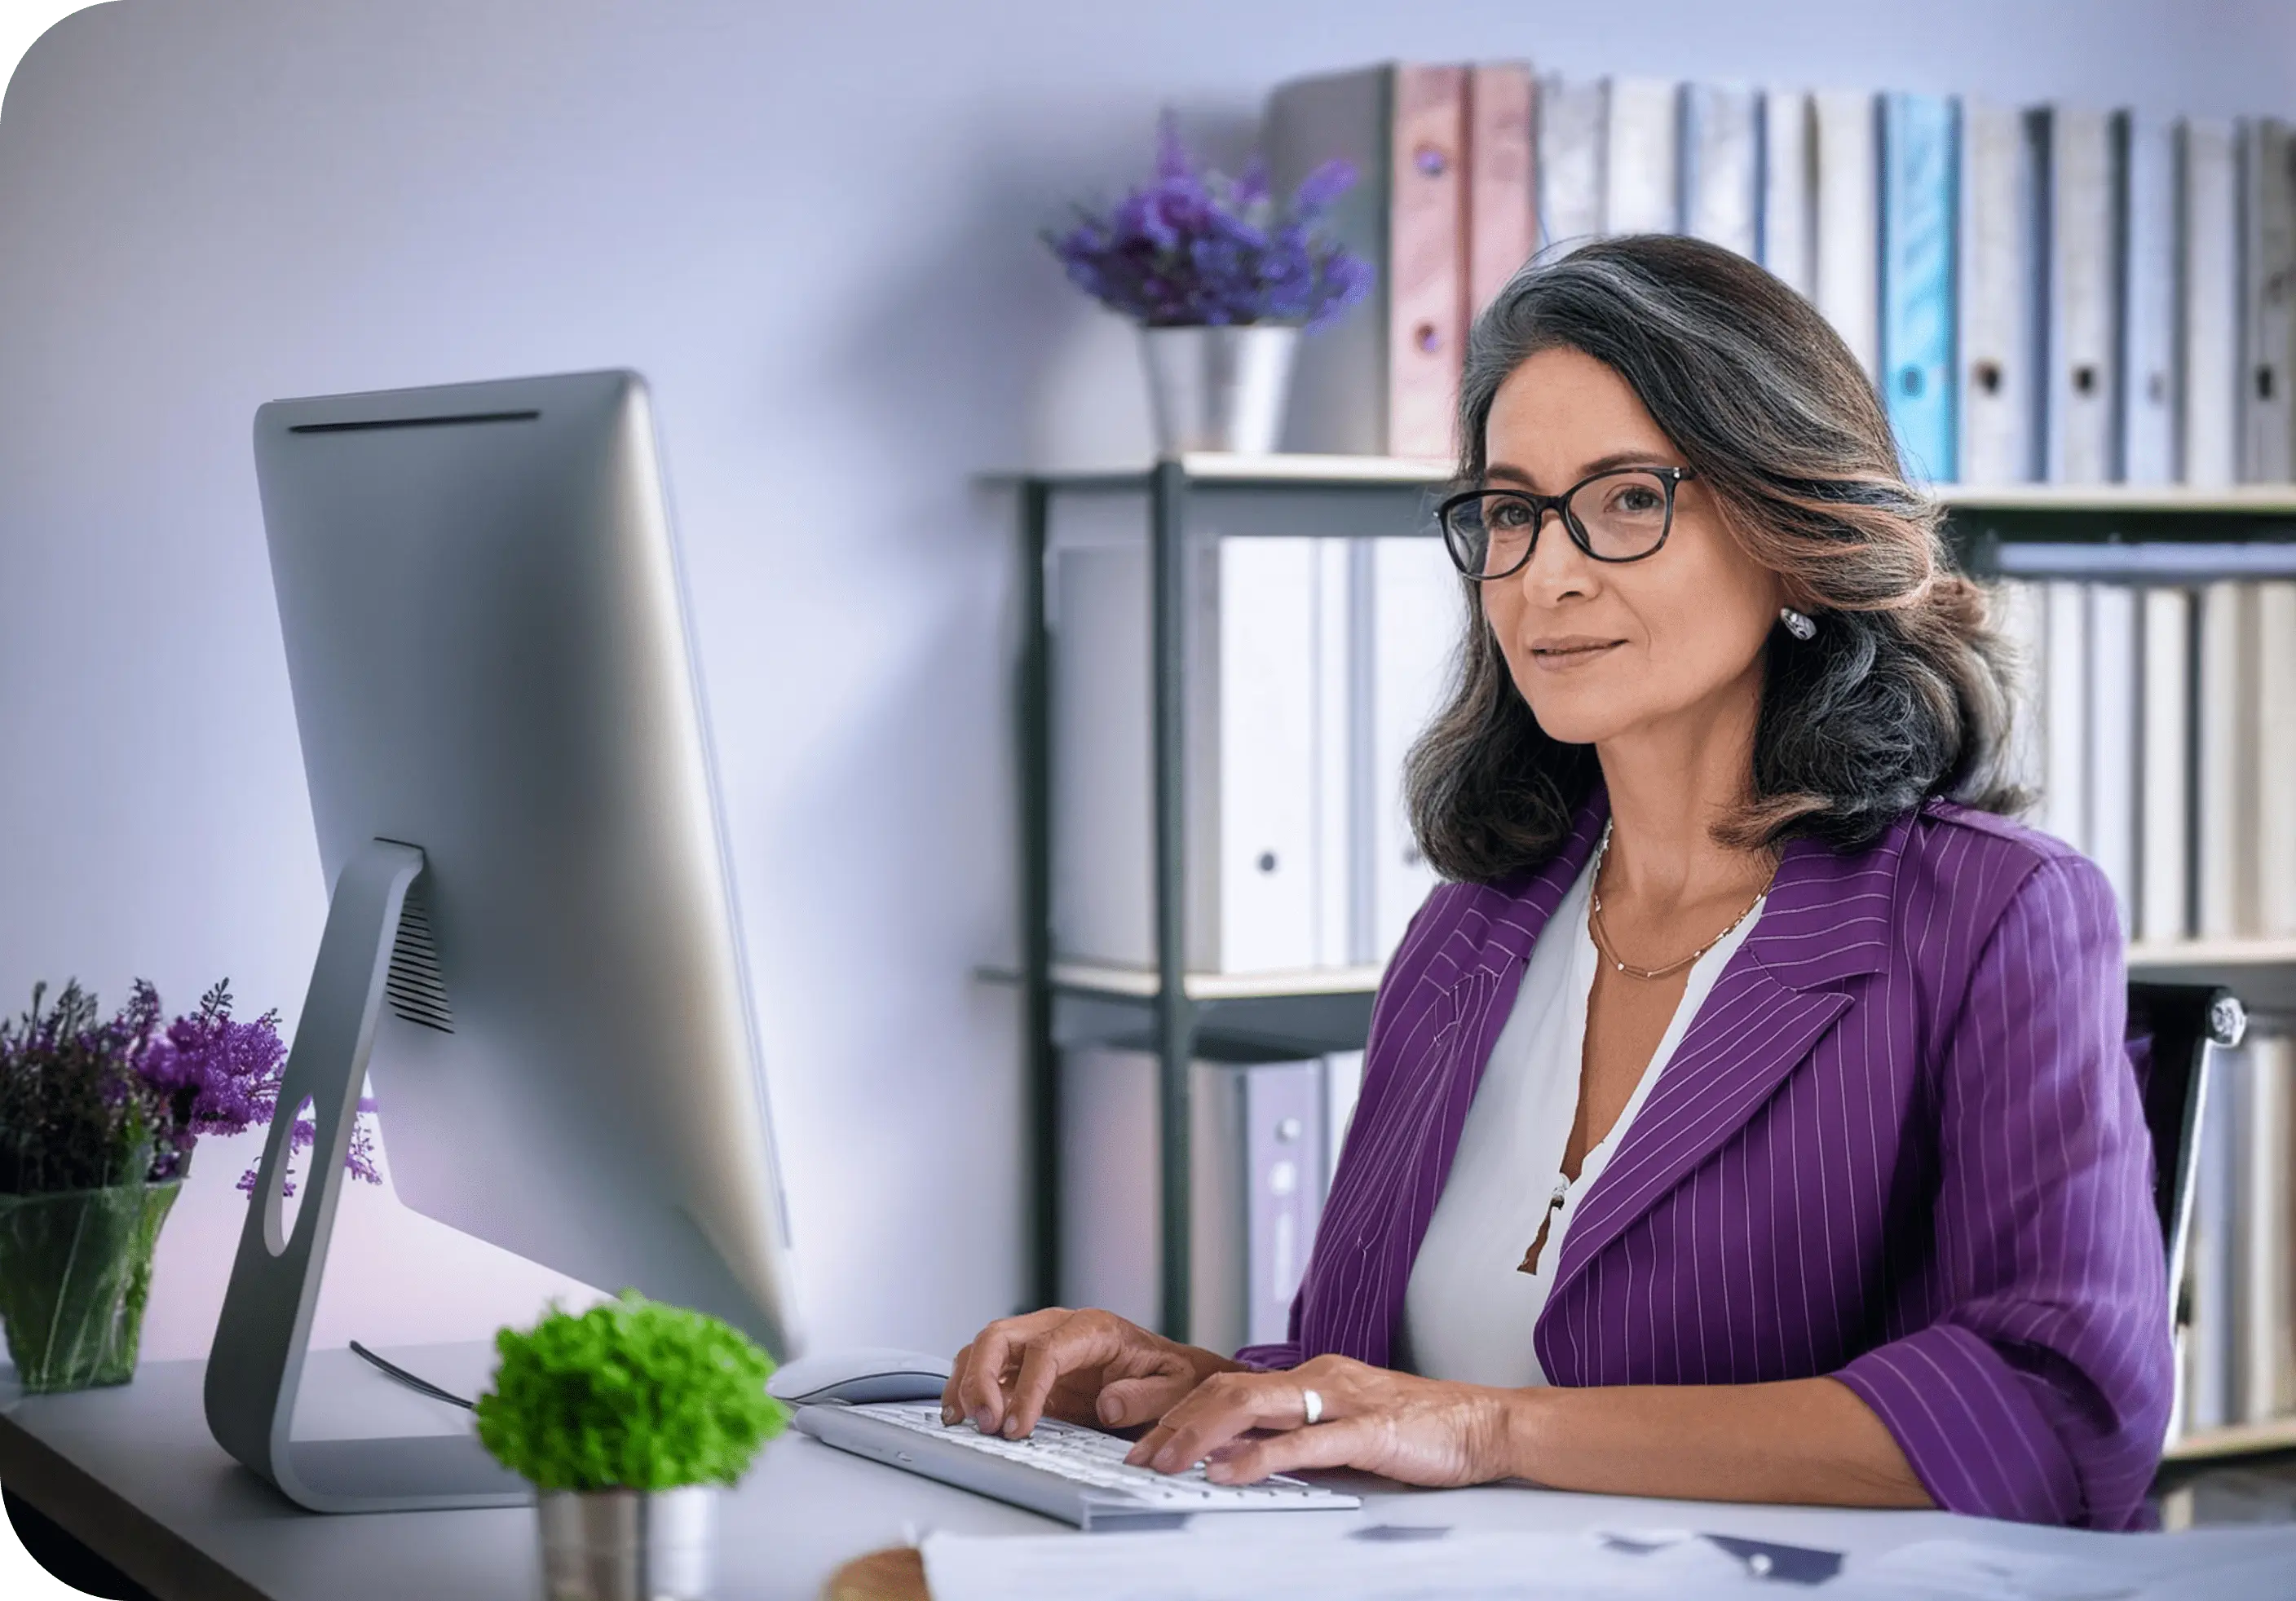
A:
(1502, 226)
(1427, 314)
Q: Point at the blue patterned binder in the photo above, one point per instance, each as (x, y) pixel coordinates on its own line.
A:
(1920, 160)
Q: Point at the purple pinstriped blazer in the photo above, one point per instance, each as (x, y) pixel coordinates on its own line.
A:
(1900, 1144)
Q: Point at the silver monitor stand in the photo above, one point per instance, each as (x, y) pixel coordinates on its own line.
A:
(256, 1367)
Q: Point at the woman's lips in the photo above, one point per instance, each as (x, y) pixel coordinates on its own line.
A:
(1562, 655)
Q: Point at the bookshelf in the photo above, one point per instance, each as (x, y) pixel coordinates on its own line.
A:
(1213, 467)
(1183, 1016)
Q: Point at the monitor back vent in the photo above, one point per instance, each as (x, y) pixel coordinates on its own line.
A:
(414, 986)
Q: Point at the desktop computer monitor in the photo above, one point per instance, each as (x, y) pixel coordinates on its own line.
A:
(532, 943)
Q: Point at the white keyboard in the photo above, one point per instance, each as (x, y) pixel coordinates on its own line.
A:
(1074, 1473)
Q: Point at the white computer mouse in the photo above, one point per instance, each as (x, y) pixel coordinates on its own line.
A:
(859, 1373)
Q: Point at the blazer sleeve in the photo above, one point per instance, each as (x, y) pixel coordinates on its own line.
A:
(2040, 1392)
(1278, 1354)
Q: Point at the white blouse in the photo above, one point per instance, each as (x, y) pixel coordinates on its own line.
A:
(1467, 1312)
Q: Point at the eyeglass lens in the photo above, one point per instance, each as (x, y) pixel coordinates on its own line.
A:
(1617, 517)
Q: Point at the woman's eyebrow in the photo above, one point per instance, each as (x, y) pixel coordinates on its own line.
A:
(1619, 458)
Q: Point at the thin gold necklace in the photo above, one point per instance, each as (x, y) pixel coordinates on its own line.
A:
(1602, 938)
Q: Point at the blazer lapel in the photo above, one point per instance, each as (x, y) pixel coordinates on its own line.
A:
(1826, 921)
(1493, 949)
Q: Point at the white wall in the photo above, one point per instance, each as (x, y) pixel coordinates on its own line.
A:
(812, 227)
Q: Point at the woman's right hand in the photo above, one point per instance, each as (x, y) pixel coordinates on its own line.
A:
(1087, 1367)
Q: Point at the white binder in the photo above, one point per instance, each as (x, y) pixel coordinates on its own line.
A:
(1277, 1111)
(1642, 190)
(1337, 837)
(2148, 302)
(2064, 714)
(1262, 699)
(2264, 1276)
(1789, 219)
(1417, 615)
(2164, 845)
(2208, 290)
(1721, 166)
(2000, 340)
(2273, 806)
(2112, 774)
(2224, 862)
(2267, 170)
(2019, 614)
(1849, 261)
(1572, 119)
(2081, 381)
(1257, 1135)
(1260, 640)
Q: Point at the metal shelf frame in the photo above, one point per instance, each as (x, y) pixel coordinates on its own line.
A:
(1183, 1016)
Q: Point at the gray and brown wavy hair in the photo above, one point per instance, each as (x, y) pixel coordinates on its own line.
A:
(1906, 690)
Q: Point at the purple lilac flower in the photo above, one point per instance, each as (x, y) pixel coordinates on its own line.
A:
(1197, 248)
(87, 1100)
(214, 1075)
(359, 1159)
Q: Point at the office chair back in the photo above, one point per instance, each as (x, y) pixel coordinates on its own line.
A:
(2171, 1028)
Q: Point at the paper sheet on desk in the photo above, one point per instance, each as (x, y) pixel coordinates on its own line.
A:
(1306, 1567)
(2212, 1564)
(2018, 1565)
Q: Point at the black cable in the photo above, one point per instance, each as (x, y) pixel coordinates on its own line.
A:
(420, 1385)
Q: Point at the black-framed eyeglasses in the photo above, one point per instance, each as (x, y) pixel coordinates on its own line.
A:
(1620, 515)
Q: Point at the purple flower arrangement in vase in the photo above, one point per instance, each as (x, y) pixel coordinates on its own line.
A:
(99, 1116)
(1222, 277)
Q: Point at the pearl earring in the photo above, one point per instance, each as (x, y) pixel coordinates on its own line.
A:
(1798, 624)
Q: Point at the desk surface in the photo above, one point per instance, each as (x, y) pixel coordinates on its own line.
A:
(133, 1473)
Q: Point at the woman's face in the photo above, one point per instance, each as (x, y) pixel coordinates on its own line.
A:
(1604, 648)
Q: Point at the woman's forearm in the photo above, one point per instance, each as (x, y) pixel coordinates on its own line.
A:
(1808, 1441)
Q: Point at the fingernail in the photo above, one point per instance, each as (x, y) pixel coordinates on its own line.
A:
(1012, 1427)
(1107, 1408)
(948, 1417)
(980, 1420)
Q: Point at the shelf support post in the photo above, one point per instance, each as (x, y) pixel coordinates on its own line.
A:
(1175, 1028)
(1043, 1064)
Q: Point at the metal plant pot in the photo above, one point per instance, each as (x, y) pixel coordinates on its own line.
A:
(1218, 388)
(628, 1545)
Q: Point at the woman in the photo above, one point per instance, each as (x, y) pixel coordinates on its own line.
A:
(1749, 1116)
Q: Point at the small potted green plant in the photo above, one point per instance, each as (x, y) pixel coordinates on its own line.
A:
(627, 1419)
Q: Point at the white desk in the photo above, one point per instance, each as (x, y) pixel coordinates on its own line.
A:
(133, 1474)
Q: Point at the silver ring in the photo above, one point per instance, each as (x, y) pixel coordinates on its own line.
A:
(1313, 1405)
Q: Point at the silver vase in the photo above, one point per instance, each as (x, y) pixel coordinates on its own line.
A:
(628, 1545)
(1218, 388)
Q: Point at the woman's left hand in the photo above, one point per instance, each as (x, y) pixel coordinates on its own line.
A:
(1419, 1431)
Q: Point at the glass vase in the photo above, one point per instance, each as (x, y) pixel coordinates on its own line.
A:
(75, 1271)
